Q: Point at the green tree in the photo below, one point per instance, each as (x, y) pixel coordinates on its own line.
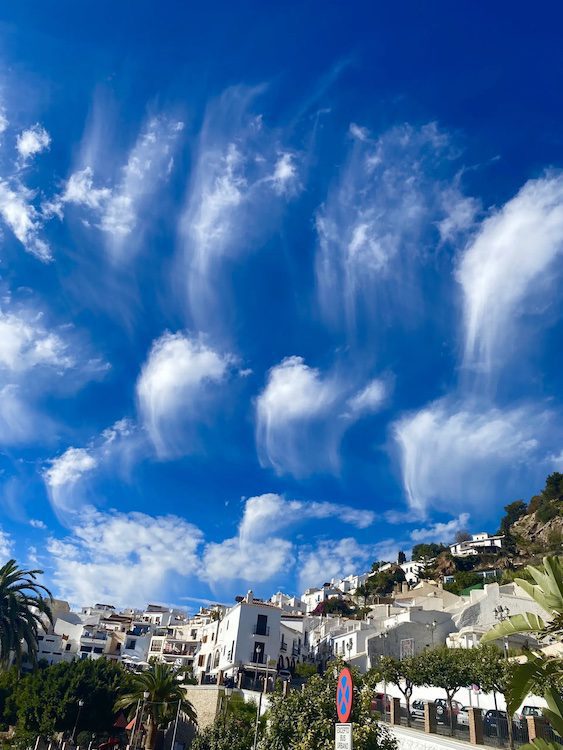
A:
(463, 579)
(427, 551)
(164, 692)
(495, 674)
(402, 673)
(383, 582)
(305, 669)
(513, 511)
(9, 681)
(304, 720)
(234, 730)
(25, 607)
(449, 669)
(401, 557)
(47, 699)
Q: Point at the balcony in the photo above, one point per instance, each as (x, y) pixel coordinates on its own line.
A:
(179, 649)
(283, 646)
(88, 635)
(261, 630)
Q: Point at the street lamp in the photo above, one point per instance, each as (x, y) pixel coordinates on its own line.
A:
(258, 651)
(432, 626)
(384, 636)
(501, 614)
(259, 705)
(80, 704)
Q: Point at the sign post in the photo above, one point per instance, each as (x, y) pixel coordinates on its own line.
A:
(344, 698)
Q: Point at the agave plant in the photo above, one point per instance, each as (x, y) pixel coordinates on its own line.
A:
(25, 607)
(547, 591)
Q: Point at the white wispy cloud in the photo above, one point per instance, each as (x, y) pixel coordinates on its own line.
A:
(123, 558)
(458, 452)
(271, 511)
(20, 421)
(291, 412)
(333, 558)
(239, 184)
(6, 546)
(441, 532)
(32, 141)
(80, 190)
(379, 218)
(176, 387)
(36, 523)
(509, 263)
(118, 206)
(259, 552)
(26, 343)
(371, 398)
(302, 414)
(23, 219)
(147, 166)
(246, 560)
(66, 476)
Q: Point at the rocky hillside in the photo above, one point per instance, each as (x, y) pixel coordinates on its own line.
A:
(538, 529)
(534, 536)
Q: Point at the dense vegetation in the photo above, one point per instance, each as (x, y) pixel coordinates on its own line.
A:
(305, 719)
(46, 700)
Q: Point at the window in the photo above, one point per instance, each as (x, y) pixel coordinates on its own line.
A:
(98, 650)
(193, 634)
(261, 625)
(67, 648)
(86, 649)
(200, 661)
(131, 643)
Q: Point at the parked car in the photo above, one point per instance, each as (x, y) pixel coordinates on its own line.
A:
(443, 711)
(495, 723)
(528, 711)
(463, 716)
(379, 701)
(417, 710)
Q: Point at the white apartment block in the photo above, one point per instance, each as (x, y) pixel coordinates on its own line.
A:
(246, 639)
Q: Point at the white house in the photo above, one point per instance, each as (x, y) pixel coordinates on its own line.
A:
(482, 610)
(245, 640)
(482, 542)
(287, 603)
(313, 597)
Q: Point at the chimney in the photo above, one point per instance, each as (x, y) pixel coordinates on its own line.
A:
(249, 598)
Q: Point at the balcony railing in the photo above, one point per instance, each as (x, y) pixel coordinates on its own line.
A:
(261, 630)
(283, 646)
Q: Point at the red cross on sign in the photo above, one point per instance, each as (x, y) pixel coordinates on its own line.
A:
(344, 695)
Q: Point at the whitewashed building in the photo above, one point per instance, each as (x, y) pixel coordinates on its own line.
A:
(482, 542)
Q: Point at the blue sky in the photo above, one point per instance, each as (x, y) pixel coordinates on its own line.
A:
(279, 287)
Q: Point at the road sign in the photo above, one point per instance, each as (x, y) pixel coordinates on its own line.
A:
(342, 737)
(344, 695)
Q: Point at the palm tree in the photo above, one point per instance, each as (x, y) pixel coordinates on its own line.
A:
(25, 608)
(163, 691)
